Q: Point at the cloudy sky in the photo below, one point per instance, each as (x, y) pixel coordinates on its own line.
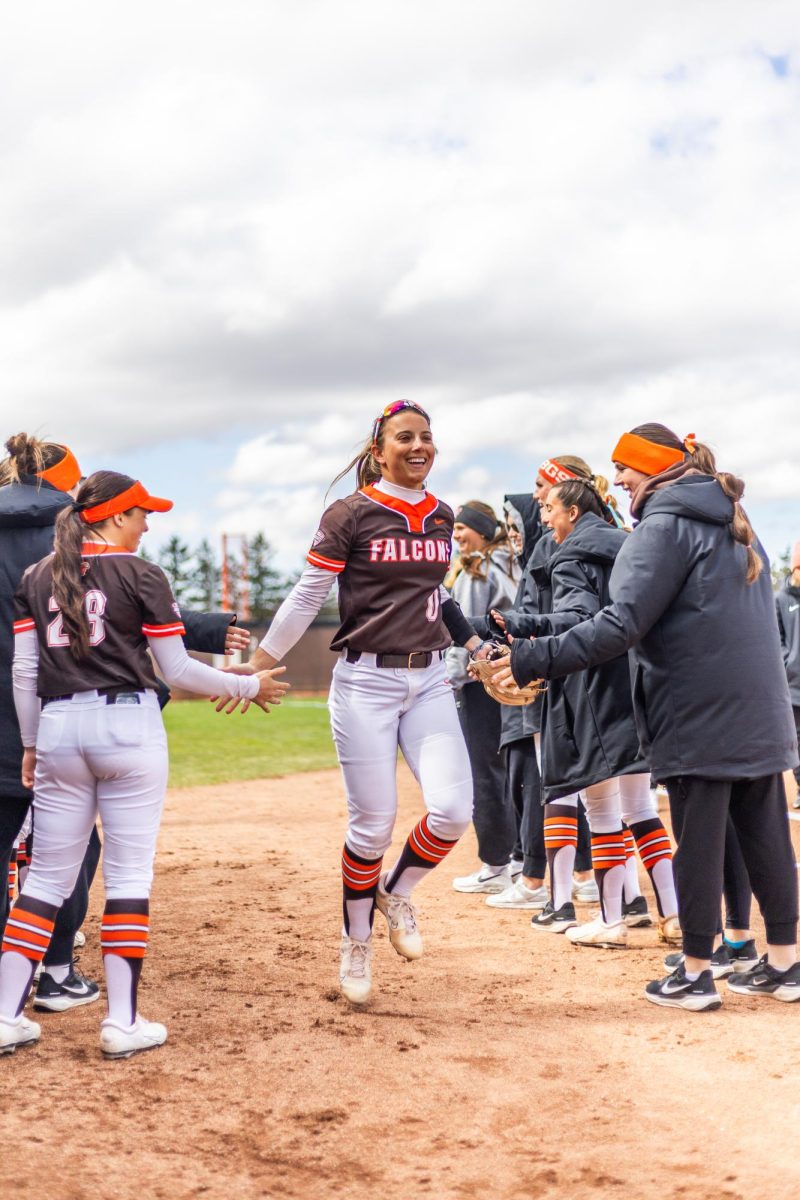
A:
(231, 233)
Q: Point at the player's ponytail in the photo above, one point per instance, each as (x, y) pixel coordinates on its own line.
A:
(69, 587)
(368, 469)
(701, 457)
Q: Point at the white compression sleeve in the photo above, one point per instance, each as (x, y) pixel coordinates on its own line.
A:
(24, 671)
(179, 670)
(297, 611)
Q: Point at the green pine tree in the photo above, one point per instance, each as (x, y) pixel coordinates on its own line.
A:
(204, 578)
(267, 586)
(175, 560)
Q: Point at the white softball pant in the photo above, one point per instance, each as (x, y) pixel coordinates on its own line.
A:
(626, 798)
(373, 711)
(93, 757)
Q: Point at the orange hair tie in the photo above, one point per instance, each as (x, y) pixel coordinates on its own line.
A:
(642, 455)
(64, 474)
(690, 442)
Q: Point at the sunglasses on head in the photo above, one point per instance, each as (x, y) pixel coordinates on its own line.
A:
(391, 410)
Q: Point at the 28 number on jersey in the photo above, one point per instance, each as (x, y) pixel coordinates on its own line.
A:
(95, 604)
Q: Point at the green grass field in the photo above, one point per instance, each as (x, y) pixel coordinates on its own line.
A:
(210, 747)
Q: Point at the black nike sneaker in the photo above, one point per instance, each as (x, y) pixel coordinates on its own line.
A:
(76, 989)
(555, 920)
(721, 965)
(764, 980)
(676, 991)
(636, 913)
(743, 958)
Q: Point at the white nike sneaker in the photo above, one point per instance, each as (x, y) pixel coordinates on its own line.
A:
(121, 1041)
(487, 879)
(401, 917)
(597, 933)
(516, 867)
(355, 969)
(520, 896)
(19, 1032)
(585, 891)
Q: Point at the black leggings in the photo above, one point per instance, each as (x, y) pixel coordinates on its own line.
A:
(524, 786)
(493, 813)
(757, 808)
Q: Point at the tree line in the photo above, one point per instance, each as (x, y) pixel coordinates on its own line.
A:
(195, 574)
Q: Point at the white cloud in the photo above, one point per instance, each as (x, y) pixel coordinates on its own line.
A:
(544, 222)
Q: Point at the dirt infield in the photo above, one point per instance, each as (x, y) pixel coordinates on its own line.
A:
(505, 1063)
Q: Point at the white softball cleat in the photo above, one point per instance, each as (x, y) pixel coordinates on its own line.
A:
(669, 931)
(19, 1032)
(355, 969)
(121, 1041)
(401, 917)
(597, 933)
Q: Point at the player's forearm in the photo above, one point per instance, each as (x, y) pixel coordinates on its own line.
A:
(179, 670)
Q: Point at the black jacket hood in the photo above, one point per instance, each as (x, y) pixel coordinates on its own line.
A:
(30, 505)
(592, 539)
(698, 497)
(790, 587)
(528, 510)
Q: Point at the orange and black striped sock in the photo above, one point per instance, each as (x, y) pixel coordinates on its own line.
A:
(631, 890)
(423, 851)
(27, 935)
(124, 935)
(608, 861)
(359, 884)
(560, 844)
(655, 851)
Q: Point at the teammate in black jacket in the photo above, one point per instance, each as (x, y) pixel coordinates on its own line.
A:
(691, 597)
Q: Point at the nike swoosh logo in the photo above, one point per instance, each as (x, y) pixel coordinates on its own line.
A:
(671, 991)
(792, 607)
(441, 521)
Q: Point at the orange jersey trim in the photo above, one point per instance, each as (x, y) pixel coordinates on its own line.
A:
(24, 625)
(415, 514)
(164, 630)
(91, 549)
(327, 564)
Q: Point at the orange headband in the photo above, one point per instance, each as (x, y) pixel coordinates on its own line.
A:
(554, 473)
(65, 474)
(135, 496)
(647, 457)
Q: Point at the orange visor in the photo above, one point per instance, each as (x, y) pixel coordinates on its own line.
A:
(136, 496)
(554, 473)
(65, 474)
(647, 457)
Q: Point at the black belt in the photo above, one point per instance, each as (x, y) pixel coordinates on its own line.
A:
(112, 695)
(413, 661)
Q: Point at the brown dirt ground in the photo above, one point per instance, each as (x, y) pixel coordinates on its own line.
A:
(505, 1063)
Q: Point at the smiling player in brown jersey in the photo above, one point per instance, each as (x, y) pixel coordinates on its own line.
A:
(388, 545)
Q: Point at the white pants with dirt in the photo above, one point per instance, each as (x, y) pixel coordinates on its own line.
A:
(373, 712)
(97, 758)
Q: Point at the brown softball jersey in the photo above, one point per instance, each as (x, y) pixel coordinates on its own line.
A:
(127, 601)
(390, 558)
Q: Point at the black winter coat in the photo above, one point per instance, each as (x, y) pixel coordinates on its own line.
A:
(710, 694)
(28, 512)
(588, 728)
(787, 603)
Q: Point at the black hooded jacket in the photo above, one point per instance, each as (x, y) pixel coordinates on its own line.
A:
(588, 728)
(518, 722)
(710, 694)
(787, 603)
(28, 512)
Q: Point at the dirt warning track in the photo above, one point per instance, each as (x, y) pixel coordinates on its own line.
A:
(505, 1063)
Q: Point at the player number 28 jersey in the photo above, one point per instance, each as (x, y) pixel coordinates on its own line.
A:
(390, 558)
(127, 601)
